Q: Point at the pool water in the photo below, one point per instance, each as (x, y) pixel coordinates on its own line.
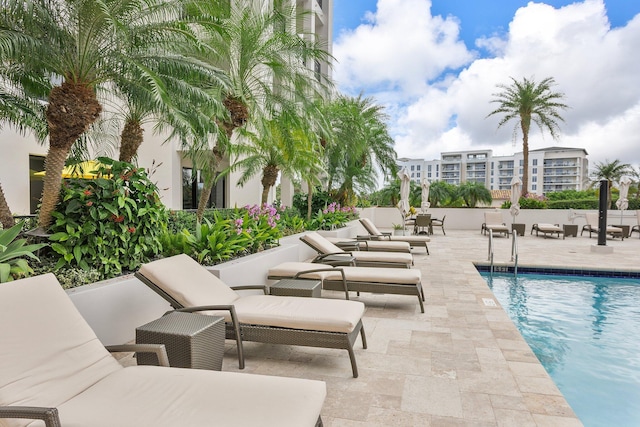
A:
(586, 333)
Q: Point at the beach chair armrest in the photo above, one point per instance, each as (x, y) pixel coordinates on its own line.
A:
(48, 415)
(158, 349)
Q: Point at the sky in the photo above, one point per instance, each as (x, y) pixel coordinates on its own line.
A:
(434, 66)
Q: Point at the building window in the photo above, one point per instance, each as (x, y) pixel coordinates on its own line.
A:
(317, 70)
(428, 174)
(534, 179)
(534, 187)
(521, 162)
(413, 167)
(428, 168)
(36, 164)
(534, 170)
(418, 174)
(413, 175)
(192, 187)
(535, 162)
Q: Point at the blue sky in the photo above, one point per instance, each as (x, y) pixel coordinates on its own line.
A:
(435, 64)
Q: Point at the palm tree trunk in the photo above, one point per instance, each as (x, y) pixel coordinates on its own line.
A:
(130, 140)
(309, 200)
(6, 218)
(269, 177)
(73, 107)
(525, 125)
(204, 198)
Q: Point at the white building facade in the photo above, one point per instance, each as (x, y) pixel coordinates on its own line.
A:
(170, 169)
(550, 169)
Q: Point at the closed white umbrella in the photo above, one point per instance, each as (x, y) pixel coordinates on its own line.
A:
(623, 202)
(405, 187)
(516, 191)
(424, 204)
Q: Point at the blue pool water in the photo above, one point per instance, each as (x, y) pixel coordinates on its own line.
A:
(586, 333)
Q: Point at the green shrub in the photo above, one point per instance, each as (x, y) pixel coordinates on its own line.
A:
(573, 204)
(108, 224)
(320, 200)
(533, 201)
(13, 254)
(332, 217)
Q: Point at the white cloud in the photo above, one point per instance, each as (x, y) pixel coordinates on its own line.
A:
(402, 52)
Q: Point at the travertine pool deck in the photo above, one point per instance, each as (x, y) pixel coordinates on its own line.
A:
(462, 363)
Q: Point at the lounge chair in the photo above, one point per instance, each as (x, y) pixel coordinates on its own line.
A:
(312, 322)
(493, 221)
(376, 234)
(355, 279)
(53, 368)
(328, 252)
(545, 229)
(364, 243)
(637, 226)
(592, 226)
(435, 222)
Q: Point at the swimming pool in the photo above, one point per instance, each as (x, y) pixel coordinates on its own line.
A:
(586, 333)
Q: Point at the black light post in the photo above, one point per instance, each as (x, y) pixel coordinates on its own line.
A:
(602, 212)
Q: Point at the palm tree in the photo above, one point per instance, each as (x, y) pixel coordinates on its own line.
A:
(441, 193)
(266, 60)
(83, 44)
(474, 192)
(611, 171)
(282, 144)
(526, 101)
(359, 145)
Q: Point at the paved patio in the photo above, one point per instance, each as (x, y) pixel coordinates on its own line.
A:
(462, 363)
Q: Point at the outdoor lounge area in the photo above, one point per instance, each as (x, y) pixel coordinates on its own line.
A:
(461, 362)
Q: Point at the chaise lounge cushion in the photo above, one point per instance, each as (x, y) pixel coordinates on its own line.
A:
(181, 275)
(409, 276)
(324, 247)
(223, 399)
(372, 245)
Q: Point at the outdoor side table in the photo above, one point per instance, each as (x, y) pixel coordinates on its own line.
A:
(570, 230)
(296, 288)
(518, 228)
(192, 340)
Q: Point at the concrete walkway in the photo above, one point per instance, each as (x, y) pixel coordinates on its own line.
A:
(462, 363)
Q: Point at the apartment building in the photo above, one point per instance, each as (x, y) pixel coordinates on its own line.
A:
(550, 169)
(171, 169)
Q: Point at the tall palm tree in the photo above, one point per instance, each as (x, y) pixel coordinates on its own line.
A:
(83, 44)
(266, 60)
(474, 192)
(526, 101)
(359, 145)
(282, 144)
(611, 171)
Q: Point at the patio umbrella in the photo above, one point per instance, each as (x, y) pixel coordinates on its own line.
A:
(516, 191)
(623, 202)
(424, 204)
(405, 187)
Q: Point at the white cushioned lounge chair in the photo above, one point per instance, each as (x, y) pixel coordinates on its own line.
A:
(326, 249)
(355, 279)
(493, 221)
(375, 234)
(366, 244)
(592, 226)
(312, 322)
(53, 369)
(546, 229)
(637, 226)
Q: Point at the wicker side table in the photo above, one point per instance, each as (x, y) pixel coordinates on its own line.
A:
(192, 340)
(296, 288)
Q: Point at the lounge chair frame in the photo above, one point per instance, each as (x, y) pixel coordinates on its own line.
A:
(271, 334)
(375, 234)
(359, 286)
(349, 258)
(611, 231)
(539, 228)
